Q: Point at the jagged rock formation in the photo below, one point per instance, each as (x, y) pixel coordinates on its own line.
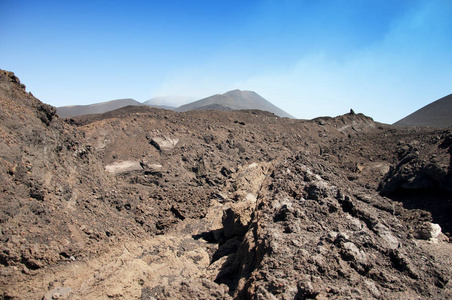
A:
(144, 203)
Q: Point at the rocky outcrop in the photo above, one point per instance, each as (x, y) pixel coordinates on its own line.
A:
(164, 143)
(421, 167)
(293, 257)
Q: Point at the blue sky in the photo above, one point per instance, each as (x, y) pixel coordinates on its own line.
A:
(383, 58)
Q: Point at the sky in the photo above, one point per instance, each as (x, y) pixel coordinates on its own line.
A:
(383, 58)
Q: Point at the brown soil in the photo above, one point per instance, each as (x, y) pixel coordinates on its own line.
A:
(144, 203)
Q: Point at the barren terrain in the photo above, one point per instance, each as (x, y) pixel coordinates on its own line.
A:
(145, 203)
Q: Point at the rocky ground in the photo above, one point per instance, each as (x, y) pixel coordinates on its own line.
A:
(143, 203)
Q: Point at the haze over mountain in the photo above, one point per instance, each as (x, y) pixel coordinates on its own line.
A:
(436, 114)
(168, 102)
(96, 108)
(235, 100)
(232, 100)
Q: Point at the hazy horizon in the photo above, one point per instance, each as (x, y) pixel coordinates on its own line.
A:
(383, 58)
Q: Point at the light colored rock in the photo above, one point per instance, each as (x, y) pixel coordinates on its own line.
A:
(123, 167)
(385, 233)
(372, 287)
(248, 180)
(151, 165)
(250, 197)
(355, 254)
(154, 167)
(429, 231)
(253, 165)
(58, 293)
(164, 143)
(435, 230)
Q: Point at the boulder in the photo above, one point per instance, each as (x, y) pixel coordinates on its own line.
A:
(429, 231)
(164, 143)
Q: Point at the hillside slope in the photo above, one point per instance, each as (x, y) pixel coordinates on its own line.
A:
(436, 114)
(56, 200)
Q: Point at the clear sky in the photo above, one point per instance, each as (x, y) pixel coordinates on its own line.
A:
(384, 58)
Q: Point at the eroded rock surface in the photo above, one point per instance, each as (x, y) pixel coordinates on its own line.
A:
(144, 203)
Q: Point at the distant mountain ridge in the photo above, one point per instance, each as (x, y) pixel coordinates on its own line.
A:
(436, 114)
(235, 100)
(96, 108)
(232, 100)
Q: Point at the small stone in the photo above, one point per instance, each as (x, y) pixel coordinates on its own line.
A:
(58, 293)
(321, 122)
(332, 235)
(306, 290)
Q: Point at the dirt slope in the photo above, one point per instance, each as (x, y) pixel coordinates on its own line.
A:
(143, 203)
(436, 114)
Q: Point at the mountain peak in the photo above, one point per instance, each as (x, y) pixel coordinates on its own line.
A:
(235, 100)
(239, 92)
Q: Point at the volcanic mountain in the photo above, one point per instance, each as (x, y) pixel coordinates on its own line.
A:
(436, 114)
(234, 100)
(97, 108)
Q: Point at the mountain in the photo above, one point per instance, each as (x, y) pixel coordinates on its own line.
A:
(97, 108)
(235, 100)
(232, 100)
(436, 114)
